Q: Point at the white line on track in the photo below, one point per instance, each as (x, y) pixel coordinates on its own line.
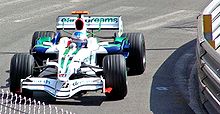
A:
(75, 1)
(52, 9)
(2, 4)
(20, 20)
(119, 10)
(122, 10)
(163, 20)
(37, 13)
(20, 17)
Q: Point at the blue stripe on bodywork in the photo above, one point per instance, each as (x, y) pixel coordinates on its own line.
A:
(40, 50)
(120, 46)
(113, 49)
(56, 39)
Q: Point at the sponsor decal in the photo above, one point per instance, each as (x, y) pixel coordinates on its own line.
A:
(92, 20)
(75, 83)
(67, 20)
(42, 81)
(85, 82)
(62, 75)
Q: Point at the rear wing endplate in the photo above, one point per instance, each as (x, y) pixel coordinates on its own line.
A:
(92, 23)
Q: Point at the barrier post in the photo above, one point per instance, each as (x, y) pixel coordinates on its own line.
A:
(207, 28)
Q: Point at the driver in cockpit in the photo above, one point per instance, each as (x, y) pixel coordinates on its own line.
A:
(79, 36)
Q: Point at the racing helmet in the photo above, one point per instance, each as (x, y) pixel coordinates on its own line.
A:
(80, 39)
(79, 36)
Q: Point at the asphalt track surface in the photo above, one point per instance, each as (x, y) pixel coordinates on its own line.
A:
(169, 27)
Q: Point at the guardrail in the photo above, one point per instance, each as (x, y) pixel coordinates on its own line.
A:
(208, 55)
(16, 104)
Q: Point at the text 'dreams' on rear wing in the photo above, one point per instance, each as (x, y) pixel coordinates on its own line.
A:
(92, 22)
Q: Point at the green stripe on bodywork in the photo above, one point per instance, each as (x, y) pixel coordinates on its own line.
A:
(63, 58)
(69, 61)
(112, 45)
(62, 62)
(119, 39)
(75, 52)
(42, 46)
(66, 51)
(43, 39)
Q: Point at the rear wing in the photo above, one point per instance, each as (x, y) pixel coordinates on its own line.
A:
(92, 23)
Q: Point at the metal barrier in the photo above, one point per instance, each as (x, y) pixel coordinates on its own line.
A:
(208, 57)
(16, 104)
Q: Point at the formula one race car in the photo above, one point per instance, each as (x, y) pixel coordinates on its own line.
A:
(64, 66)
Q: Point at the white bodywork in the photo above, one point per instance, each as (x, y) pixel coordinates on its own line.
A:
(71, 59)
(62, 87)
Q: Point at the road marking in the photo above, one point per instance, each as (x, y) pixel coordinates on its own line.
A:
(76, 0)
(49, 10)
(30, 14)
(119, 10)
(17, 21)
(162, 88)
(36, 13)
(162, 20)
(122, 10)
(12, 2)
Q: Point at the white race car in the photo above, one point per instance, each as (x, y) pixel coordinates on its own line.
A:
(64, 66)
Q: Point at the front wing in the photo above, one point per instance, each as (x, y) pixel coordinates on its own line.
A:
(60, 89)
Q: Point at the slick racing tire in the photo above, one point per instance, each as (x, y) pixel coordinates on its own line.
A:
(20, 68)
(136, 61)
(115, 75)
(39, 34)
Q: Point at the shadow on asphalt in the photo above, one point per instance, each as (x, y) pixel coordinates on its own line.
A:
(166, 98)
(83, 101)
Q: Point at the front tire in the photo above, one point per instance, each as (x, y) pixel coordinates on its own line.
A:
(21, 67)
(115, 74)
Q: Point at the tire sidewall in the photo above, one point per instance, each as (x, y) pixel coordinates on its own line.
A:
(136, 60)
(21, 67)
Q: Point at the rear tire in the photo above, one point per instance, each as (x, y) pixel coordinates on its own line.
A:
(136, 60)
(20, 68)
(115, 74)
